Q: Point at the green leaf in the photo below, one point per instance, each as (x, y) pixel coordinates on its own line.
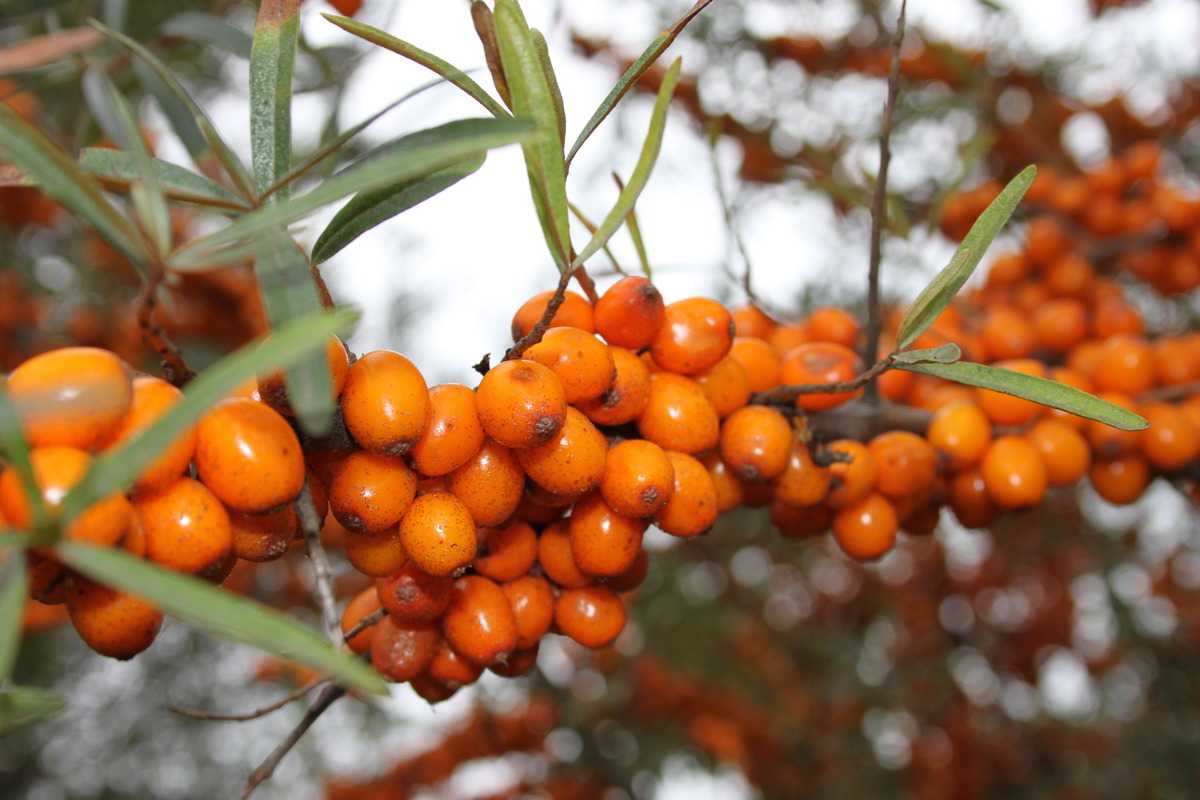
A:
(367, 210)
(42, 161)
(417, 155)
(16, 453)
(641, 173)
(219, 611)
(15, 540)
(1039, 390)
(117, 169)
(21, 705)
(635, 231)
(631, 75)
(592, 228)
(229, 160)
(543, 55)
(941, 290)
(116, 470)
(943, 354)
(428, 60)
(272, 62)
(12, 612)
(175, 110)
(209, 29)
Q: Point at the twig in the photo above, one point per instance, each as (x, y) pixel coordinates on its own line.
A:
(539, 329)
(216, 716)
(789, 392)
(319, 280)
(322, 574)
(329, 695)
(1178, 391)
(374, 618)
(879, 203)
(585, 282)
(175, 368)
(730, 222)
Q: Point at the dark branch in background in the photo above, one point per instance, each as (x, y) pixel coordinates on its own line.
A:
(862, 421)
(538, 330)
(216, 716)
(310, 525)
(879, 203)
(374, 618)
(788, 393)
(1179, 391)
(175, 369)
(266, 769)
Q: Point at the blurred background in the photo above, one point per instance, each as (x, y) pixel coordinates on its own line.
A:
(1053, 655)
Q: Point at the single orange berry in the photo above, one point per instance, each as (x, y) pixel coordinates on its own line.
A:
(854, 472)
(603, 542)
(726, 386)
(1060, 325)
(112, 623)
(451, 668)
(480, 623)
(73, 397)
(453, 434)
(1007, 334)
(866, 529)
(412, 595)
(696, 333)
(581, 361)
(363, 605)
(802, 483)
(961, 432)
(625, 399)
(638, 478)
(785, 338)
(402, 651)
(820, 363)
(1172, 440)
(593, 616)
(731, 492)
(248, 456)
(800, 522)
(572, 462)
(505, 554)
(371, 492)
(489, 484)
(970, 500)
(1014, 472)
(1126, 365)
(575, 312)
(752, 321)
(760, 362)
(56, 470)
(692, 508)
(1120, 480)
(678, 415)
(1064, 451)
(187, 529)
(438, 533)
(153, 397)
(263, 537)
(834, 325)
(521, 403)
(907, 464)
(532, 601)
(756, 443)
(376, 555)
(630, 313)
(633, 577)
(385, 403)
(557, 559)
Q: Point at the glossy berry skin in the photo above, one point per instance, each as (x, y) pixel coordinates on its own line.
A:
(506, 553)
(479, 623)
(521, 403)
(730, 491)
(452, 669)
(531, 598)
(153, 397)
(371, 492)
(112, 623)
(802, 483)
(852, 479)
(907, 464)
(557, 559)
(489, 484)
(412, 595)
(760, 362)
(385, 403)
(403, 651)
(752, 321)
(800, 522)
(626, 397)
(1172, 441)
(692, 508)
(1014, 472)
(816, 363)
(1120, 480)
(187, 528)
(364, 604)
(575, 312)
(453, 435)
(726, 386)
(248, 456)
(630, 313)
(834, 325)
(696, 333)
(866, 529)
(582, 362)
(438, 533)
(970, 500)
(572, 462)
(263, 537)
(56, 470)
(1063, 449)
(72, 397)
(374, 554)
(678, 415)
(961, 433)
(603, 542)
(593, 616)
(638, 478)
(756, 443)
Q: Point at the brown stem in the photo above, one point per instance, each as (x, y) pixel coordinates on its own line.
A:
(329, 695)
(319, 280)
(216, 716)
(310, 524)
(539, 329)
(1179, 391)
(175, 369)
(861, 421)
(789, 392)
(374, 618)
(586, 283)
(879, 203)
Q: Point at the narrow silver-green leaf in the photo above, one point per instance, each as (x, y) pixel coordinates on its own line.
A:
(428, 60)
(209, 29)
(179, 117)
(641, 173)
(291, 342)
(941, 290)
(1039, 390)
(543, 54)
(13, 585)
(942, 354)
(635, 232)
(272, 63)
(16, 452)
(220, 611)
(118, 169)
(23, 705)
(367, 210)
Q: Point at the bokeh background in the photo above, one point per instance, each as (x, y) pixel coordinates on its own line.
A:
(1053, 655)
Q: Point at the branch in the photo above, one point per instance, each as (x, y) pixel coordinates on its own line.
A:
(306, 510)
(175, 368)
(216, 716)
(730, 222)
(879, 202)
(788, 393)
(1179, 391)
(862, 421)
(374, 618)
(266, 769)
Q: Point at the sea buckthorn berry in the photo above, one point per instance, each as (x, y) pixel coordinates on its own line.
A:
(603, 542)
(263, 537)
(490, 484)
(756, 443)
(802, 483)
(427, 688)
(638, 478)
(371, 492)
(1115, 317)
(1008, 269)
(961, 432)
(273, 388)
(571, 463)
(678, 415)
(333, 534)
(866, 529)
(438, 533)
(385, 403)
(731, 493)
(153, 397)
(187, 529)
(1069, 276)
(453, 435)
(907, 464)
(593, 616)
(1014, 472)
(630, 313)
(1063, 449)
(970, 500)
(800, 522)
(1045, 240)
(1120, 480)
(692, 508)
(557, 559)
(625, 399)
(55, 470)
(1172, 441)
(895, 384)
(1126, 365)
(1176, 361)
(575, 312)
(363, 605)
(451, 668)
(531, 598)
(248, 456)
(696, 333)
(1005, 409)
(403, 651)
(760, 363)
(506, 553)
(112, 623)
(757, 494)
(820, 363)
(725, 385)
(1007, 334)
(376, 555)
(480, 623)
(785, 338)
(521, 403)
(834, 325)
(582, 362)
(633, 577)
(853, 479)
(1107, 441)
(72, 397)
(1060, 325)
(752, 321)
(412, 595)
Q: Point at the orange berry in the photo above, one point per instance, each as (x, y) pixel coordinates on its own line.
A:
(580, 360)
(438, 533)
(756, 443)
(678, 415)
(453, 435)
(272, 389)
(630, 313)
(633, 577)
(726, 386)
(692, 508)
(429, 690)
(451, 668)
(532, 601)
(153, 397)
(970, 500)
(1115, 317)
(557, 559)
(1176, 361)
(56, 470)
(638, 478)
(853, 479)
(802, 483)
(752, 321)
(761, 365)
(696, 333)
(820, 363)
(1069, 276)
(1005, 409)
(505, 554)
(785, 338)
(376, 555)
(263, 537)
(385, 403)
(363, 604)
(402, 651)
(112, 623)
(603, 542)
(1064, 451)
(1172, 441)
(570, 464)
(248, 456)
(187, 529)
(730, 491)
(412, 595)
(371, 492)
(480, 623)
(834, 325)
(907, 464)
(575, 312)
(1120, 480)
(626, 397)
(895, 384)
(1014, 472)
(961, 432)
(1045, 240)
(489, 484)
(866, 529)
(1060, 325)
(1126, 365)
(1008, 269)
(800, 522)
(521, 403)
(73, 397)
(1007, 334)
(593, 616)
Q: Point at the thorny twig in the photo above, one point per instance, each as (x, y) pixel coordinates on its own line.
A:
(245, 716)
(175, 368)
(329, 695)
(310, 525)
